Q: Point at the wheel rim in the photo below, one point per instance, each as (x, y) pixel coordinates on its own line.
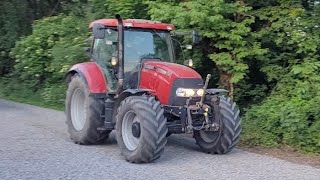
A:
(130, 141)
(209, 136)
(78, 110)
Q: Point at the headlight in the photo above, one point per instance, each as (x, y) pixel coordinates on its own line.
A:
(200, 92)
(182, 92)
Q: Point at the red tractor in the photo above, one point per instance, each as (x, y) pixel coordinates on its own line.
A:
(133, 86)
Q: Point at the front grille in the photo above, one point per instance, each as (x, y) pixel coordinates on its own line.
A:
(184, 83)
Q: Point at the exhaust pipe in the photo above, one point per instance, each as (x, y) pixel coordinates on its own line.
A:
(120, 54)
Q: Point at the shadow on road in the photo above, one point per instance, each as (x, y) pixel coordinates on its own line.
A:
(179, 140)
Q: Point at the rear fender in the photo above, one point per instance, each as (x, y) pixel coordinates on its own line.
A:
(93, 76)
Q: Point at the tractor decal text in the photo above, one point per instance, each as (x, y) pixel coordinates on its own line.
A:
(159, 70)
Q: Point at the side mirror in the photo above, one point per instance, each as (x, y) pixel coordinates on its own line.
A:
(195, 37)
(98, 31)
(188, 62)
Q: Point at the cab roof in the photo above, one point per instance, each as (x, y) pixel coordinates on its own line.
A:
(135, 23)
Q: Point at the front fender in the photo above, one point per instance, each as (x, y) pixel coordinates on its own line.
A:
(126, 93)
(216, 91)
(132, 92)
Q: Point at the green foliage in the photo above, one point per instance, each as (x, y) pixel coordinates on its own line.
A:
(16, 17)
(44, 57)
(58, 42)
(131, 9)
(13, 89)
(225, 25)
(284, 120)
(270, 49)
(13, 23)
(290, 115)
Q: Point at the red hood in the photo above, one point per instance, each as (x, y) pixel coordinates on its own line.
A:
(173, 69)
(160, 77)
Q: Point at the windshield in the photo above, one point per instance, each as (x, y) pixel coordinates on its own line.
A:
(146, 44)
(139, 44)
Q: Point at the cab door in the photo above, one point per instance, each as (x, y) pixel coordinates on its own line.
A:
(102, 52)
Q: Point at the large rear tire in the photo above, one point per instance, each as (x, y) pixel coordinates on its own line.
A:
(228, 135)
(83, 114)
(141, 129)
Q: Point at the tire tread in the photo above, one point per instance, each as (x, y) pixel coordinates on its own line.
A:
(154, 128)
(231, 129)
(90, 133)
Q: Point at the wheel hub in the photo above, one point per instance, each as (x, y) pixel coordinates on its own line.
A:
(136, 130)
(131, 130)
(78, 109)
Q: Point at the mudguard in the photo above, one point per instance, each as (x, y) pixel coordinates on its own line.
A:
(93, 76)
(126, 93)
(216, 91)
(132, 92)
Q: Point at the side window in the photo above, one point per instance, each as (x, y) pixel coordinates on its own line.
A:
(161, 45)
(104, 49)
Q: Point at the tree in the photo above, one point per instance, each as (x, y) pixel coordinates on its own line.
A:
(14, 20)
(290, 115)
(131, 9)
(225, 28)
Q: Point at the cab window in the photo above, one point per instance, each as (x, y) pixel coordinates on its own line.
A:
(102, 52)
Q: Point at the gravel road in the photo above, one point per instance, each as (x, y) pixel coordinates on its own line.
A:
(34, 144)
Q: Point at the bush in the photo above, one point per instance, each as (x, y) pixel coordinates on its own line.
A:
(291, 118)
(44, 57)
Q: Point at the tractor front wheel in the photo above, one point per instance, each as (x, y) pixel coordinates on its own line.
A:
(84, 114)
(141, 129)
(227, 137)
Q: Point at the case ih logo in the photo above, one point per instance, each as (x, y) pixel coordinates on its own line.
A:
(150, 67)
(159, 70)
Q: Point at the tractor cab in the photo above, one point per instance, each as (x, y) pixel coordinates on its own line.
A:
(144, 40)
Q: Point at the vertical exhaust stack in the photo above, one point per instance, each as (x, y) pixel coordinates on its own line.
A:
(120, 53)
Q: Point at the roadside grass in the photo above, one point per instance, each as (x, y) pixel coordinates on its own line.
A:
(23, 95)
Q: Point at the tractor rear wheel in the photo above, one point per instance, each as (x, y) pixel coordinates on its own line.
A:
(227, 137)
(141, 129)
(84, 114)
